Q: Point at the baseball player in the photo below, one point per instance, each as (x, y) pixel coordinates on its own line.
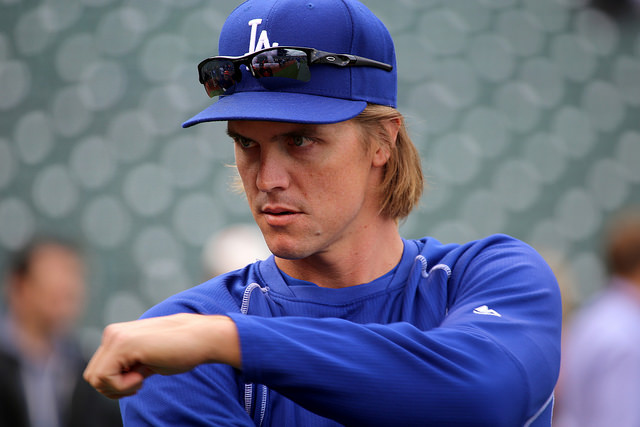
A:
(347, 323)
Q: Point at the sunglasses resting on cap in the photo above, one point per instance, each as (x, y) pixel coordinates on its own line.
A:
(218, 74)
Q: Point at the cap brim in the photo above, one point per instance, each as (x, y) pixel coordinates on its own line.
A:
(279, 107)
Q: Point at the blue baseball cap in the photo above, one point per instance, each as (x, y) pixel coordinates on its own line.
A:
(333, 94)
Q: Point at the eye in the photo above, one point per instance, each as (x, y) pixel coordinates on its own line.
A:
(243, 142)
(301, 141)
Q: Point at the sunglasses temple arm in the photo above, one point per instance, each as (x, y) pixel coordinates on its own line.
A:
(365, 62)
(347, 60)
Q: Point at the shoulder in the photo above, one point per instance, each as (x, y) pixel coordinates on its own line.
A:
(492, 251)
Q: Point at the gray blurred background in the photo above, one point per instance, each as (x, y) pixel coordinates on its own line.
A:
(526, 113)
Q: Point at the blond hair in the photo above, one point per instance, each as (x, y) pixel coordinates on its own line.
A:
(403, 183)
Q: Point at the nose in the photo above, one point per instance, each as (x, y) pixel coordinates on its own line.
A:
(272, 170)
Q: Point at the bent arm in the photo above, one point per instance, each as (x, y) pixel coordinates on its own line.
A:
(132, 351)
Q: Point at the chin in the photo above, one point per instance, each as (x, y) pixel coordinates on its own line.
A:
(288, 250)
(289, 253)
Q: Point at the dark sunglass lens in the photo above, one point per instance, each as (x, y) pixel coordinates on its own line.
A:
(282, 62)
(218, 75)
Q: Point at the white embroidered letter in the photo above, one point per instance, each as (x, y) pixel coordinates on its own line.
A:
(263, 41)
(254, 29)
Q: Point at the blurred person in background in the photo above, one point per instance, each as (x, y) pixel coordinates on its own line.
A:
(40, 362)
(601, 366)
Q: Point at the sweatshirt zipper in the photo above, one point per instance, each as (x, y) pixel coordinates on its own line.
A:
(248, 388)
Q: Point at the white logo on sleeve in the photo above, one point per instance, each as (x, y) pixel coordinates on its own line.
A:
(483, 309)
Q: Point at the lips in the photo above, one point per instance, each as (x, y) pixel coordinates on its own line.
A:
(277, 212)
(279, 215)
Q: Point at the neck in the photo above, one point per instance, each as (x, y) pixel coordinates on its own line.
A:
(356, 262)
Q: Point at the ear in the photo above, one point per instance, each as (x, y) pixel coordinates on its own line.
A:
(387, 141)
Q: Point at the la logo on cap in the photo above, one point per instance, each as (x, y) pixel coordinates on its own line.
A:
(263, 40)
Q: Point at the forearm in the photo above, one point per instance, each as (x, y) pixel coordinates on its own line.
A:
(167, 345)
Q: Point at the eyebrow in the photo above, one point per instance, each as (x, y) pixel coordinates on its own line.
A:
(233, 135)
(304, 129)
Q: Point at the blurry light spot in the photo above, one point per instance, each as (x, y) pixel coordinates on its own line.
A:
(520, 104)
(454, 231)
(415, 61)
(147, 189)
(131, 134)
(589, 274)
(603, 104)
(15, 79)
(458, 80)
(55, 194)
(156, 244)
(489, 127)
(161, 56)
(608, 183)
(70, 115)
(484, 210)
(33, 137)
(163, 278)
(543, 75)
(598, 31)
(444, 30)
(578, 215)
(438, 106)
(31, 35)
(523, 31)
(7, 163)
(626, 73)
(123, 306)
(575, 129)
(491, 57)
(105, 222)
(517, 183)
(207, 21)
(104, 84)
(456, 158)
(628, 154)
(73, 56)
(186, 162)
(17, 223)
(551, 14)
(196, 217)
(547, 154)
(548, 235)
(119, 31)
(573, 58)
(167, 106)
(92, 162)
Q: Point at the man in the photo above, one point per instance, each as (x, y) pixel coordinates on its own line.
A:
(40, 365)
(348, 323)
(601, 372)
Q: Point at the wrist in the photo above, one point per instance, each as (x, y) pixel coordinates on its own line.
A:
(222, 334)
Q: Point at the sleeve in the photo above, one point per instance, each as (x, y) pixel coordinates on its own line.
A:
(209, 395)
(205, 396)
(493, 360)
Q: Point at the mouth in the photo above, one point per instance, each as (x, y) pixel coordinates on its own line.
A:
(279, 215)
(278, 212)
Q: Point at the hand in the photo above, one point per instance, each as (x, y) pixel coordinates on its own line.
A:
(132, 351)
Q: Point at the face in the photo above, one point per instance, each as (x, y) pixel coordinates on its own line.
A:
(312, 189)
(53, 291)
